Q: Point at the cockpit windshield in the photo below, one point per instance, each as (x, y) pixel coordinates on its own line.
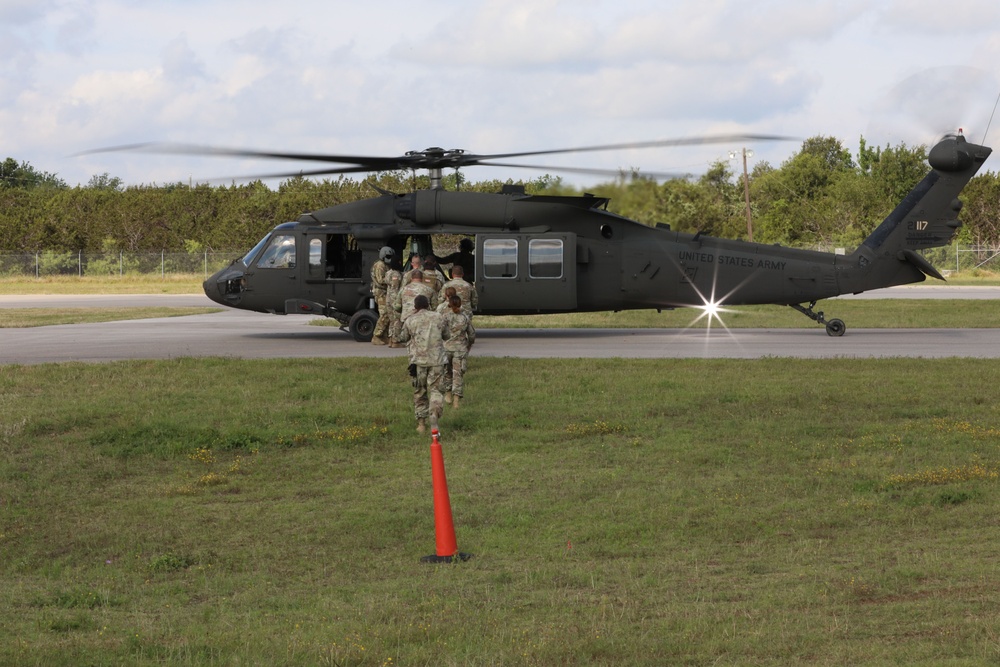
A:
(247, 258)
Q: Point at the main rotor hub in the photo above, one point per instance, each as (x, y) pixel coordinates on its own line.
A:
(436, 157)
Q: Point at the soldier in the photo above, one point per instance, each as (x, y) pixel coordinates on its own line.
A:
(380, 335)
(445, 307)
(464, 289)
(415, 263)
(424, 332)
(393, 282)
(416, 287)
(433, 275)
(460, 338)
(465, 258)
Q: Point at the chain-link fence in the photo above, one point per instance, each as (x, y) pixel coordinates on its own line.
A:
(959, 259)
(50, 263)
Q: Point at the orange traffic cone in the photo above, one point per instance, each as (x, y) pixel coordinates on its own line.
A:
(444, 526)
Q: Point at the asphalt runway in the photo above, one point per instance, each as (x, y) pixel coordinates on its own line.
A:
(239, 334)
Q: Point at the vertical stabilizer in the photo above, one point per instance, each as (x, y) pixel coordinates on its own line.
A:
(926, 218)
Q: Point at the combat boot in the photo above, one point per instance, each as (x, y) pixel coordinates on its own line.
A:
(454, 401)
(421, 425)
(447, 397)
(379, 340)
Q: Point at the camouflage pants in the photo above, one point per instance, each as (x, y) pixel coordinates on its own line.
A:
(454, 374)
(428, 391)
(395, 324)
(382, 326)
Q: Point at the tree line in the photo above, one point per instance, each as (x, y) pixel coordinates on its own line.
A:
(821, 196)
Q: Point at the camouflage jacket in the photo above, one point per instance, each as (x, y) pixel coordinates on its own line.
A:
(434, 278)
(461, 333)
(379, 270)
(424, 333)
(393, 281)
(467, 292)
(404, 300)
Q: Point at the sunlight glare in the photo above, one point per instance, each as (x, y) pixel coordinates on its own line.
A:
(711, 310)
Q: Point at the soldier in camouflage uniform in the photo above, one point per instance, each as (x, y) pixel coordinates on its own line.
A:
(415, 263)
(424, 332)
(433, 275)
(381, 334)
(404, 300)
(445, 306)
(393, 283)
(461, 336)
(464, 289)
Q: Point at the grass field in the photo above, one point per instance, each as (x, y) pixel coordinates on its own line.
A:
(220, 512)
(130, 284)
(40, 317)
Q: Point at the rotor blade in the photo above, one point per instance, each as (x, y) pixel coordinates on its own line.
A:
(430, 158)
(662, 143)
(163, 148)
(296, 174)
(660, 175)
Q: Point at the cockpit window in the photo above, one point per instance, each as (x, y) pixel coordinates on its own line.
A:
(248, 258)
(280, 253)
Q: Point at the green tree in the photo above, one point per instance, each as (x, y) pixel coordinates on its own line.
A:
(105, 182)
(22, 175)
(795, 203)
(894, 170)
(981, 213)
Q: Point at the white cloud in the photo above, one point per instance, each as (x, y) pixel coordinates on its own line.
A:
(484, 75)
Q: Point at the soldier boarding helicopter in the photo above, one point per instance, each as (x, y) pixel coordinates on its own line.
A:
(555, 254)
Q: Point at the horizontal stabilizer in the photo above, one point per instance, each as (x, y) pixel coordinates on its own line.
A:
(920, 262)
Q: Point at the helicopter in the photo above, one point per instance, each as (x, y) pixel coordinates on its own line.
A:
(537, 254)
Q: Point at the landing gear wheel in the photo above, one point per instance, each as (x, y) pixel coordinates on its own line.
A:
(835, 328)
(362, 325)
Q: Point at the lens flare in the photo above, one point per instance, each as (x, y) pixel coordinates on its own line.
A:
(711, 311)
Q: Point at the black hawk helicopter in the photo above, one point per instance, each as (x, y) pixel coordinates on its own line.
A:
(553, 254)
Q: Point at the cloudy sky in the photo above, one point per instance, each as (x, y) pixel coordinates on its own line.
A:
(388, 76)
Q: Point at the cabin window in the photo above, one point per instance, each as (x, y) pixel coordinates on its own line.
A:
(280, 253)
(545, 258)
(500, 258)
(317, 264)
(315, 252)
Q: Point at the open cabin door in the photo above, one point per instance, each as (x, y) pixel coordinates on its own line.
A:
(335, 272)
(532, 272)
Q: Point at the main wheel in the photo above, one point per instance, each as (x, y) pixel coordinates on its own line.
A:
(835, 328)
(362, 325)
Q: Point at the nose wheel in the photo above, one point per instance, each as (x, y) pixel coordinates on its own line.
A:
(834, 327)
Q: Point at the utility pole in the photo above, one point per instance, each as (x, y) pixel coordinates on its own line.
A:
(746, 189)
